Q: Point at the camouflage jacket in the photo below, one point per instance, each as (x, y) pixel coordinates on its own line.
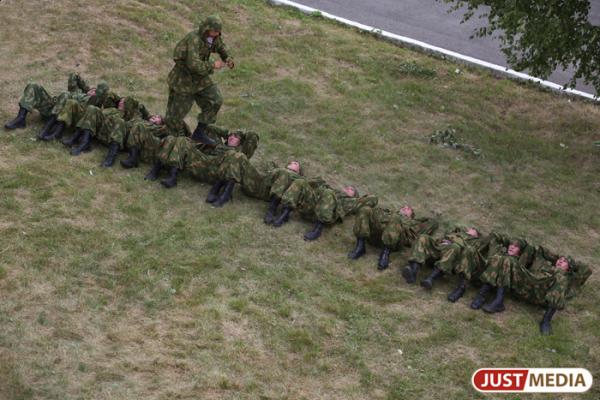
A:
(460, 236)
(498, 245)
(248, 141)
(193, 67)
(347, 205)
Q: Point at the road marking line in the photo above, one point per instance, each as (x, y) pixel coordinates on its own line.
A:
(438, 50)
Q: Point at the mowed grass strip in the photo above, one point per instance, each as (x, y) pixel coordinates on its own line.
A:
(114, 288)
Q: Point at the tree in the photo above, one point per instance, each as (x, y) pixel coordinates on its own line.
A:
(541, 35)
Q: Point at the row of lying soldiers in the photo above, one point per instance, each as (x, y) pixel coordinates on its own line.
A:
(499, 262)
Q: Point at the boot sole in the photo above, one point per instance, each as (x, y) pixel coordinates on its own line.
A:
(492, 310)
(426, 284)
(407, 275)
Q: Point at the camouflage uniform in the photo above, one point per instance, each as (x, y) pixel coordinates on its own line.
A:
(147, 136)
(74, 108)
(181, 152)
(111, 124)
(549, 286)
(391, 229)
(456, 253)
(502, 270)
(248, 141)
(315, 200)
(261, 185)
(189, 80)
(35, 97)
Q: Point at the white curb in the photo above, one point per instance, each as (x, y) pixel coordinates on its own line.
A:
(438, 50)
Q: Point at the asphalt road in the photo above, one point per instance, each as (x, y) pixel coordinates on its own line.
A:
(429, 22)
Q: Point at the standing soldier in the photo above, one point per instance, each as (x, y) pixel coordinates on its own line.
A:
(189, 80)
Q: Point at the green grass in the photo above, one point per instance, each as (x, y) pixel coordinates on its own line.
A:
(114, 288)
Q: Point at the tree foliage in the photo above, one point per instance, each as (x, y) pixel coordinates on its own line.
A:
(541, 35)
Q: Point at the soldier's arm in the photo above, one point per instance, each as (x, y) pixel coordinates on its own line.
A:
(218, 132)
(369, 200)
(144, 112)
(112, 100)
(77, 82)
(196, 64)
(222, 50)
(249, 143)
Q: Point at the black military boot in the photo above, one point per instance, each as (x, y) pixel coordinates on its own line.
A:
(497, 305)
(458, 292)
(57, 131)
(480, 298)
(359, 249)
(410, 272)
(44, 134)
(171, 180)
(215, 190)
(73, 139)
(384, 259)
(226, 195)
(270, 215)
(427, 283)
(315, 232)
(19, 121)
(545, 325)
(152, 175)
(85, 143)
(283, 217)
(113, 150)
(134, 158)
(200, 135)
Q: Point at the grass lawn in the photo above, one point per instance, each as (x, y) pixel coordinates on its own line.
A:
(115, 288)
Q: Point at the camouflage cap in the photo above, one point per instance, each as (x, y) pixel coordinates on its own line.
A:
(212, 22)
(102, 89)
(131, 106)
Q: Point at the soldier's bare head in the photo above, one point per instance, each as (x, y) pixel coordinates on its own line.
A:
(473, 232)
(407, 211)
(233, 140)
(562, 263)
(514, 249)
(351, 191)
(294, 166)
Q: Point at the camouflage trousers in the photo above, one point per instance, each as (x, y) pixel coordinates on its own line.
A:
(209, 100)
(282, 179)
(505, 271)
(371, 223)
(72, 111)
(107, 125)
(450, 258)
(35, 97)
(312, 203)
(236, 167)
(181, 152)
(545, 288)
(146, 136)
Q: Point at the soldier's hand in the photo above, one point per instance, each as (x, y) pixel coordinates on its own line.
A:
(92, 92)
(230, 63)
(219, 64)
